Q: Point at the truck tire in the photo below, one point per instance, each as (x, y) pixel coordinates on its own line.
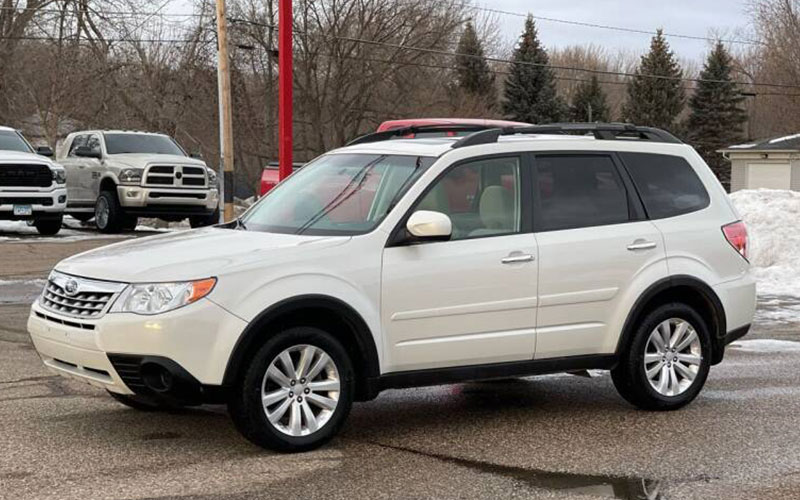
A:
(49, 226)
(108, 215)
(204, 220)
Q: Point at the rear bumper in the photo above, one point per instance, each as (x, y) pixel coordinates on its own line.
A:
(44, 203)
(152, 201)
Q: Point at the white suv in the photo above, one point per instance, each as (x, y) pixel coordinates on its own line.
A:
(401, 263)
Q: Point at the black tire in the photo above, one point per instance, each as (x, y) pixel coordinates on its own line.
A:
(82, 216)
(630, 377)
(142, 403)
(245, 405)
(129, 222)
(204, 220)
(112, 222)
(49, 227)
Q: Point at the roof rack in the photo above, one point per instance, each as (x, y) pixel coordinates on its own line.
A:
(600, 131)
(413, 129)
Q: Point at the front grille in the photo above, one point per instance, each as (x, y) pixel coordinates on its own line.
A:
(175, 175)
(83, 304)
(193, 171)
(128, 369)
(161, 169)
(12, 175)
(28, 200)
(73, 324)
(159, 180)
(194, 181)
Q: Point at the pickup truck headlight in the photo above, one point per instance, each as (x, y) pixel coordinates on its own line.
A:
(212, 177)
(60, 176)
(131, 176)
(157, 298)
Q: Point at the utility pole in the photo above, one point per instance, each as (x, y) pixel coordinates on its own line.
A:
(225, 114)
(285, 87)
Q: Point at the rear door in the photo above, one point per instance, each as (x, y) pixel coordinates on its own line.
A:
(75, 167)
(594, 242)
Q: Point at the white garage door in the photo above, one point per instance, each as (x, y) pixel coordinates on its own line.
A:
(769, 175)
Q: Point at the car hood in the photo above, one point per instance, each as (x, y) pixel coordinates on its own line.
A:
(20, 157)
(190, 255)
(140, 160)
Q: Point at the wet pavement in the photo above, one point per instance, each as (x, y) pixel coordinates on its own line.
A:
(557, 436)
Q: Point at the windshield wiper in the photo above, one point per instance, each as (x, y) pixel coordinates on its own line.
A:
(240, 225)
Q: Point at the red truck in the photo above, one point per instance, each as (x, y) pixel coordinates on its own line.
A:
(438, 128)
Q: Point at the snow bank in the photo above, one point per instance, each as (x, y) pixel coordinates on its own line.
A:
(773, 224)
(766, 345)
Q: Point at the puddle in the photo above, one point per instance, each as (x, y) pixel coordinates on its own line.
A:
(20, 291)
(626, 488)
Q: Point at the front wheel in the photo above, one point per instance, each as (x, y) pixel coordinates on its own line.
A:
(108, 215)
(296, 392)
(49, 227)
(668, 359)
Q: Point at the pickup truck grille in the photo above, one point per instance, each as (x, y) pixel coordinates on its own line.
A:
(175, 176)
(78, 297)
(28, 200)
(12, 175)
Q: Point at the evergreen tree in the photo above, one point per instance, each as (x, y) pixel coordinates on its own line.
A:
(716, 116)
(589, 103)
(530, 90)
(655, 101)
(474, 74)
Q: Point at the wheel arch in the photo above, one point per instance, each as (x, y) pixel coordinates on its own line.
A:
(684, 289)
(108, 183)
(326, 312)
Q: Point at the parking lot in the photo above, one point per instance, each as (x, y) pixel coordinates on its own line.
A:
(560, 436)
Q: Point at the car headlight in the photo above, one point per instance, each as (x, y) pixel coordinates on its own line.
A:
(130, 176)
(157, 298)
(60, 176)
(212, 177)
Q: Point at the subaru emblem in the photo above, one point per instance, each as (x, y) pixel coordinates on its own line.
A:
(71, 287)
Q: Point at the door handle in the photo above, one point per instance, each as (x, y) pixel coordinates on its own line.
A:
(516, 258)
(641, 245)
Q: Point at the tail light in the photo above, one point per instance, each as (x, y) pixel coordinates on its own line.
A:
(736, 234)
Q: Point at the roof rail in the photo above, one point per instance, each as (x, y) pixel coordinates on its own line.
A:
(600, 131)
(413, 129)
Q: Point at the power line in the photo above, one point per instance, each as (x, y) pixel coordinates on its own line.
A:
(106, 40)
(110, 13)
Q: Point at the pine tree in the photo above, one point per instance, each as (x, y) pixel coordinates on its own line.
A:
(530, 90)
(472, 70)
(716, 116)
(589, 103)
(655, 101)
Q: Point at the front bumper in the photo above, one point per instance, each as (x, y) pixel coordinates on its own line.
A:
(44, 203)
(155, 199)
(193, 343)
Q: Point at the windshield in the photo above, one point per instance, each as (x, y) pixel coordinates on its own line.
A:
(141, 143)
(337, 194)
(12, 141)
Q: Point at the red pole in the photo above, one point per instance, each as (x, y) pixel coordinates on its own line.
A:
(285, 88)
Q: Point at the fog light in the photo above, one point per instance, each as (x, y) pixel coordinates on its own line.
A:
(132, 194)
(62, 198)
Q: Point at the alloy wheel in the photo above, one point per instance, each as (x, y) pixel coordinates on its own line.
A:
(673, 356)
(101, 213)
(300, 390)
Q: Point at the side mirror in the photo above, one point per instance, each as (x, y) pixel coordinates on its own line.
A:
(429, 225)
(87, 152)
(196, 156)
(44, 151)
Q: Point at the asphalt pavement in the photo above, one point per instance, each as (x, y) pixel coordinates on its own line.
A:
(558, 436)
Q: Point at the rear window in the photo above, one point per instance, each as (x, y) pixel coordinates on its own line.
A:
(667, 184)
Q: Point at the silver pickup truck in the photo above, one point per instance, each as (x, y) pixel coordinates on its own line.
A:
(31, 185)
(118, 176)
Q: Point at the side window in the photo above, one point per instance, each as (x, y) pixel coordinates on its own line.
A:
(668, 185)
(578, 191)
(482, 198)
(78, 141)
(93, 143)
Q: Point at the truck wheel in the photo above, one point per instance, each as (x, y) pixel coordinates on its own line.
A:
(668, 359)
(48, 227)
(204, 220)
(108, 214)
(296, 392)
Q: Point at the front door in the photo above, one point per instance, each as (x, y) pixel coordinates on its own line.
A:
(593, 245)
(470, 300)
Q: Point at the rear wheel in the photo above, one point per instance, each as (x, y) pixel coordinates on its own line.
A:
(49, 227)
(108, 215)
(668, 360)
(296, 393)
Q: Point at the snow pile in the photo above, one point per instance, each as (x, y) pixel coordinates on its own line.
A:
(773, 224)
(767, 345)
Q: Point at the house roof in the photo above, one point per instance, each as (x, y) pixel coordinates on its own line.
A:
(783, 143)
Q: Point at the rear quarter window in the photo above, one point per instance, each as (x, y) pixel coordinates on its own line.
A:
(667, 184)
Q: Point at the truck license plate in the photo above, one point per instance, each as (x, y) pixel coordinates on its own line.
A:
(23, 210)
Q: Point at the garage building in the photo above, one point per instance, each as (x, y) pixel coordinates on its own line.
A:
(772, 163)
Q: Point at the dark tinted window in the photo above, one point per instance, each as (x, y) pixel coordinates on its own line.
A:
(12, 141)
(578, 191)
(668, 185)
(141, 143)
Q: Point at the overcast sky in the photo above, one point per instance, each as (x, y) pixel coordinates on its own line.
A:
(689, 17)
